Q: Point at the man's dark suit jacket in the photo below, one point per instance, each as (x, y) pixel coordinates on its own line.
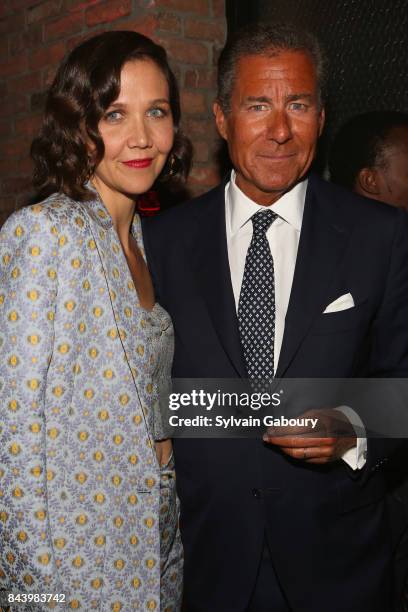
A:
(326, 525)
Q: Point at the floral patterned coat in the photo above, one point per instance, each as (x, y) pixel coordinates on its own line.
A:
(85, 509)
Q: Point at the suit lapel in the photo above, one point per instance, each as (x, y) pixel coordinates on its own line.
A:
(322, 244)
(210, 262)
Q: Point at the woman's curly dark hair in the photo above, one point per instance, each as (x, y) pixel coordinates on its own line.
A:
(86, 84)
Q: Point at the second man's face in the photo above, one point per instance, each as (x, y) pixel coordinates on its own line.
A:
(273, 124)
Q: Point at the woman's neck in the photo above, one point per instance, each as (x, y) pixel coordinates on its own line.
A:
(121, 209)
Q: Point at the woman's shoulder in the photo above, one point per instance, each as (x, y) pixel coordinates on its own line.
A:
(56, 213)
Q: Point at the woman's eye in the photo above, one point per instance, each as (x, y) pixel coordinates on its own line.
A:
(157, 113)
(112, 116)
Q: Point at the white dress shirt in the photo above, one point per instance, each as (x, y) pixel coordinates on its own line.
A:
(283, 237)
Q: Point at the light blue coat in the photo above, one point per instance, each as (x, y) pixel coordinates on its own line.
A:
(85, 509)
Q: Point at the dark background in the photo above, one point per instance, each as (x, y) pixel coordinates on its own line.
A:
(366, 42)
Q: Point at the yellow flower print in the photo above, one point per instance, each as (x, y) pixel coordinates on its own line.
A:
(32, 295)
(15, 449)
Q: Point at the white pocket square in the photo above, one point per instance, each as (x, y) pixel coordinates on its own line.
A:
(344, 302)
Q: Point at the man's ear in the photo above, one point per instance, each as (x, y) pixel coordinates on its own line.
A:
(322, 119)
(367, 182)
(220, 120)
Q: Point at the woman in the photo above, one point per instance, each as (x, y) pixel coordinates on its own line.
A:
(88, 498)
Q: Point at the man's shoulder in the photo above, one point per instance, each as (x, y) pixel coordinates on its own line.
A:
(181, 217)
(353, 208)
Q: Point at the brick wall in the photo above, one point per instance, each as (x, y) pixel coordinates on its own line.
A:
(34, 37)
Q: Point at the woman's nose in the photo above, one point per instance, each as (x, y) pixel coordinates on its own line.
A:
(139, 135)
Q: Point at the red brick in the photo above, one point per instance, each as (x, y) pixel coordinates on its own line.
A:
(32, 37)
(17, 5)
(4, 47)
(45, 56)
(146, 25)
(63, 27)
(169, 23)
(79, 5)
(108, 11)
(48, 75)
(80, 38)
(187, 52)
(16, 147)
(201, 78)
(208, 176)
(216, 54)
(201, 151)
(4, 10)
(25, 166)
(6, 127)
(196, 190)
(218, 8)
(176, 70)
(204, 30)
(28, 126)
(12, 23)
(43, 10)
(8, 166)
(15, 103)
(194, 6)
(27, 83)
(14, 66)
(193, 103)
(15, 185)
(16, 44)
(196, 127)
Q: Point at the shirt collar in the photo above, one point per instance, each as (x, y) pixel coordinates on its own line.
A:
(289, 207)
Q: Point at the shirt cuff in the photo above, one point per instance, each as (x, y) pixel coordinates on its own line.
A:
(355, 457)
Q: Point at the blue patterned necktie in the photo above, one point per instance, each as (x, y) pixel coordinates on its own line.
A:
(256, 308)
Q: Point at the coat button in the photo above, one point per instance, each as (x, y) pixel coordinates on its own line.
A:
(257, 493)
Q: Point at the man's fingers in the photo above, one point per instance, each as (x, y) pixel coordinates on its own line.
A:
(297, 442)
(311, 453)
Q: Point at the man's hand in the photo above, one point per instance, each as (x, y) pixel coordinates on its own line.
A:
(331, 438)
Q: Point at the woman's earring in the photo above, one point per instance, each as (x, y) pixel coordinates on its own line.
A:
(90, 167)
(173, 165)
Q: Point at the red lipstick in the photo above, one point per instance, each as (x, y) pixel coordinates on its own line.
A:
(139, 163)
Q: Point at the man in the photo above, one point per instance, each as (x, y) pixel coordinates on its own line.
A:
(290, 523)
(369, 155)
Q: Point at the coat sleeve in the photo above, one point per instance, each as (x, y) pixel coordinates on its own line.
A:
(28, 288)
(389, 357)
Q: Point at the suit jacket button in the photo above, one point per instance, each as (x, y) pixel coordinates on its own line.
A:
(257, 493)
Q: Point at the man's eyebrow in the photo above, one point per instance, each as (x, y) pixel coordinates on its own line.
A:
(299, 96)
(257, 99)
(289, 98)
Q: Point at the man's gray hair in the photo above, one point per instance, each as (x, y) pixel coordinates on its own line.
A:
(270, 39)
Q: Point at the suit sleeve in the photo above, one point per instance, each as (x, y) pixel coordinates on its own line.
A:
(28, 287)
(389, 351)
